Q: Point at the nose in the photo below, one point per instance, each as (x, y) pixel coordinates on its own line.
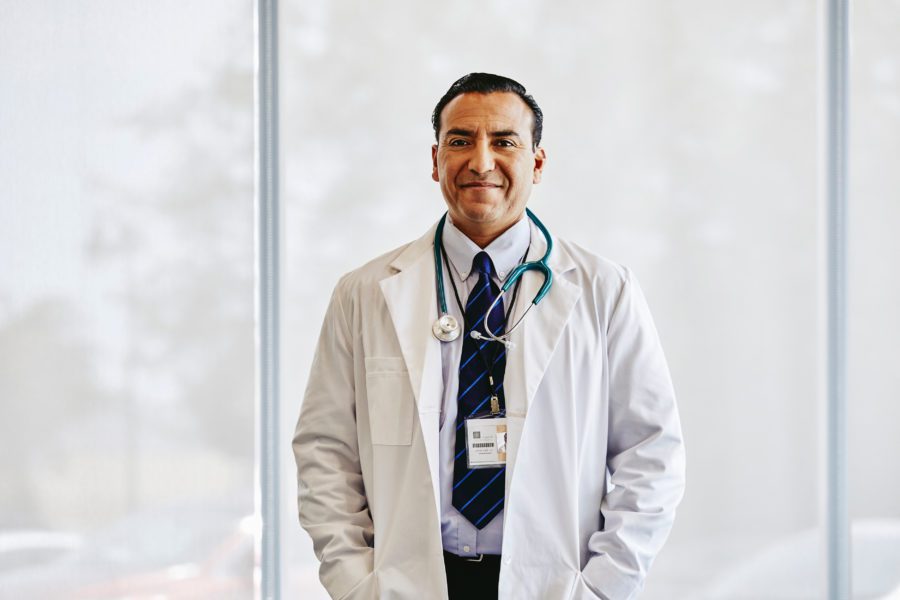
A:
(481, 161)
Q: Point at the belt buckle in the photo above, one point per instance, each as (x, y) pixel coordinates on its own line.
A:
(475, 560)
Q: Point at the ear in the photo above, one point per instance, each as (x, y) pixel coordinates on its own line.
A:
(540, 157)
(434, 167)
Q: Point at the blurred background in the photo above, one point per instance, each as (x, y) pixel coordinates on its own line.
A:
(683, 142)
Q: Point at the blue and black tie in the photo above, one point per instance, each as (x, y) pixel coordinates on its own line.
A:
(478, 493)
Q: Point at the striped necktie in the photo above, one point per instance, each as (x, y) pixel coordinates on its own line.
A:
(478, 493)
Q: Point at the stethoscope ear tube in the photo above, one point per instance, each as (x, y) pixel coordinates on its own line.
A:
(548, 281)
(517, 272)
(439, 270)
(540, 264)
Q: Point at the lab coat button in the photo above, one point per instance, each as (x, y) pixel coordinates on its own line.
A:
(466, 548)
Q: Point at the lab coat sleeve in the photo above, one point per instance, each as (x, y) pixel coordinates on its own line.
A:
(331, 497)
(645, 453)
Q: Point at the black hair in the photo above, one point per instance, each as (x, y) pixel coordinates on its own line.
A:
(486, 83)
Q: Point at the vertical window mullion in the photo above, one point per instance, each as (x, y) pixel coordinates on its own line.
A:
(267, 292)
(836, 37)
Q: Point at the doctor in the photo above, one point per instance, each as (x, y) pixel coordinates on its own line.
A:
(536, 458)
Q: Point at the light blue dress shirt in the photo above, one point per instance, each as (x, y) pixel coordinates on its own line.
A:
(460, 537)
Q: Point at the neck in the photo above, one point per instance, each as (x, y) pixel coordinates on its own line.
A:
(482, 241)
(483, 236)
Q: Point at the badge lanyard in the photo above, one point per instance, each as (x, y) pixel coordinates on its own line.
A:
(488, 361)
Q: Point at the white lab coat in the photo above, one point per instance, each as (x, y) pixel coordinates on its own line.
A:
(589, 402)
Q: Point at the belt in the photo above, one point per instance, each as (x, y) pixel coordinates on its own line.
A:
(485, 558)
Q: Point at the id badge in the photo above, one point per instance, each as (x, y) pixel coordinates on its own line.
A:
(486, 442)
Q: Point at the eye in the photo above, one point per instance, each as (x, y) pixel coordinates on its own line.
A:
(457, 142)
(504, 143)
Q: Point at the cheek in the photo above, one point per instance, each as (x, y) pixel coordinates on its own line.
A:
(448, 170)
(522, 176)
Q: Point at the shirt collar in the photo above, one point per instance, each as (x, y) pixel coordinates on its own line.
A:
(506, 251)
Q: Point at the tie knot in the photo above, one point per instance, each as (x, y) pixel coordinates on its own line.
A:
(482, 264)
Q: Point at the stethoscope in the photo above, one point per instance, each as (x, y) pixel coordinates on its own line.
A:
(447, 329)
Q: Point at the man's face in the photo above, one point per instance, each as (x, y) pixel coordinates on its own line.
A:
(484, 161)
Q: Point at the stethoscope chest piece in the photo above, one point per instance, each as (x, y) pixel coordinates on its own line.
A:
(446, 328)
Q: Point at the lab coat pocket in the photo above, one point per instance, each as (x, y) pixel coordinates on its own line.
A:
(391, 402)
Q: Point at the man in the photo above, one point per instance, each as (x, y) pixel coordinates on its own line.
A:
(433, 465)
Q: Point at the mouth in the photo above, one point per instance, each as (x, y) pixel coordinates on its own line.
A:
(480, 184)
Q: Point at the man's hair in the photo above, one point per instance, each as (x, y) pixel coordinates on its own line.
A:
(486, 83)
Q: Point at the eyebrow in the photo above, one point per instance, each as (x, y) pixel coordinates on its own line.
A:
(494, 134)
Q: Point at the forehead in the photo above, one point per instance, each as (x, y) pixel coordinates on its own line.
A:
(495, 111)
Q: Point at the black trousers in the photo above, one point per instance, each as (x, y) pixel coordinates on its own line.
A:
(470, 580)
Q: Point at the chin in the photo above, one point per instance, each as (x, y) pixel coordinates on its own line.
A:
(481, 216)
(481, 211)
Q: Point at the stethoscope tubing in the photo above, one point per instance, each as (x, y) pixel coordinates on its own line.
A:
(515, 274)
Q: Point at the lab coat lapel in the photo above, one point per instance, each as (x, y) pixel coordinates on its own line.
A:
(412, 302)
(538, 335)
